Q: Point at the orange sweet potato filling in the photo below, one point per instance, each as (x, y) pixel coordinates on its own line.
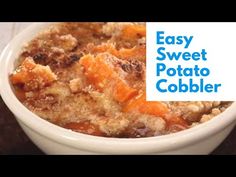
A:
(33, 74)
(100, 74)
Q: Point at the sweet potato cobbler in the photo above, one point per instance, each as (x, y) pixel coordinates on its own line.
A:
(90, 78)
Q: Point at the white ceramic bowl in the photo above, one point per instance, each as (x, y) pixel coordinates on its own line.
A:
(53, 139)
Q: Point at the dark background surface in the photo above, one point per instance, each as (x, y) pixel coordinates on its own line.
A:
(13, 140)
